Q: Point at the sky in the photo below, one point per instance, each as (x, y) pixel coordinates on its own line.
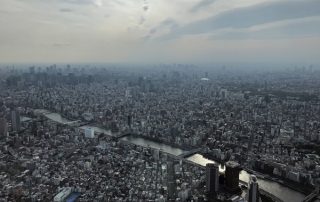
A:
(160, 31)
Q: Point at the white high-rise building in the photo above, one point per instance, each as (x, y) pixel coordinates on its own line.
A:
(89, 132)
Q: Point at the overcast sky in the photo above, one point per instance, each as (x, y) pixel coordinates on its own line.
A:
(184, 31)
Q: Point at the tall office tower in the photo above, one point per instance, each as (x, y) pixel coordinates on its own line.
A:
(171, 181)
(129, 120)
(253, 189)
(212, 178)
(15, 120)
(3, 127)
(232, 176)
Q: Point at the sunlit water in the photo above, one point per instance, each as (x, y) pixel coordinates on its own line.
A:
(278, 190)
(98, 130)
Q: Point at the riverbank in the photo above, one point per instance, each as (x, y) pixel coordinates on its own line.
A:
(292, 185)
(280, 191)
(295, 186)
(186, 148)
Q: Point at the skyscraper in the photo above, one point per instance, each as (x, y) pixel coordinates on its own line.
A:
(212, 178)
(171, 184)
(232, 176)
(15, 120)
(129, 121)
(253, 195)
(3, 127)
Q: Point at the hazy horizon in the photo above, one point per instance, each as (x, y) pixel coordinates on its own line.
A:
(160, 31)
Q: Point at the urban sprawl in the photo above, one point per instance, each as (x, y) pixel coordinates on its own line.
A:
(264, 123)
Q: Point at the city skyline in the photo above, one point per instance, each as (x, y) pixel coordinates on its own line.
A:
(160, 101)
(197, 31)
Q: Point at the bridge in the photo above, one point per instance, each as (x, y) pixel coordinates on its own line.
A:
(121, 135)
(312, 196)
(189, 153)
(74, 123)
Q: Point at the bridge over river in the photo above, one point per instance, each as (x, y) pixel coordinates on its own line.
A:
(278, 190)
(190, 153)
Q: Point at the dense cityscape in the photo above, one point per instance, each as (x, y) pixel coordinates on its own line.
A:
(165, 133)
(160, 101)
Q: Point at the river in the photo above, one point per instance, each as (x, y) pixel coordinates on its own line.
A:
(143, 142)
(282, 192)
(278, 190)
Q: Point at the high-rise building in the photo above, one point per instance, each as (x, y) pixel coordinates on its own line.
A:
(156, 154)
(15, 120)
(89, 132)
(253, 195)
(129, 120)
(212, 178)
(3, 127)
(232, 176)
(171, 181)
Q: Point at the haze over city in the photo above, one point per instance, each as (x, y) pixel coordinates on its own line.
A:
(160, 100)
(160, 31)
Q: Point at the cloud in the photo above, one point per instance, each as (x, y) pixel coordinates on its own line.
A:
(171, 23)
(83, 2)
(201, 4)
(145, 8)
(65, 10)
(80, 1)
(250, 16)
(98, 3)
(200, 34)
(142, 20)
(59, 44)
(306, 27)
(166, 24)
